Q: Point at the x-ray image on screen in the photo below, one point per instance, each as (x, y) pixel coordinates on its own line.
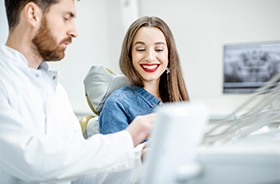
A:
(249, 66)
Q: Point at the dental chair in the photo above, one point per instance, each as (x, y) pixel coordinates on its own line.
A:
(99, 83)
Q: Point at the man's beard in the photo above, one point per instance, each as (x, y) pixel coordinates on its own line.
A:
(46, 44)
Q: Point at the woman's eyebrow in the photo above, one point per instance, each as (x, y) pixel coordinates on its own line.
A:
(139, 42)
(143, 43)
(160, 43)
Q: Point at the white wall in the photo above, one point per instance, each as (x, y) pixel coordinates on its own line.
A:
(200, 28)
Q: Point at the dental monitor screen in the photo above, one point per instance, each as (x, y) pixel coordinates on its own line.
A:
(250, 66)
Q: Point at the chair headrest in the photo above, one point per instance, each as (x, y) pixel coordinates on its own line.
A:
(99, 83)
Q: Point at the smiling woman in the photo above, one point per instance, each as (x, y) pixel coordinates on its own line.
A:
(150, 60)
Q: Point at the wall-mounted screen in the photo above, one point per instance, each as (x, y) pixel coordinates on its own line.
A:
(249, 66)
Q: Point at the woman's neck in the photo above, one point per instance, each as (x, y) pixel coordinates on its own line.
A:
(153, 88)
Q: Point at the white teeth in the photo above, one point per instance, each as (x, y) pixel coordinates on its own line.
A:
(149, 67)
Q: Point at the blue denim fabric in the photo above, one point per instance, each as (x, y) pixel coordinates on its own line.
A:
(123, 105)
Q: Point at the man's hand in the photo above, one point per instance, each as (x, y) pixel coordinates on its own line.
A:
(140, 128)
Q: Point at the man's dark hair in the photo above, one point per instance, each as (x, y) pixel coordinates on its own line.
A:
(14, 7)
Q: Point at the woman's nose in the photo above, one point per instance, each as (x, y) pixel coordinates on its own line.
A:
(150, 55)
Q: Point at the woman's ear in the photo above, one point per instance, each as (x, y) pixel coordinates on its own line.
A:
(33, 14)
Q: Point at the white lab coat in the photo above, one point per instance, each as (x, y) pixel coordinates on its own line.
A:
(40, 137)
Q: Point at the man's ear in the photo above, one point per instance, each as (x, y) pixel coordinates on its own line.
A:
(33, 14)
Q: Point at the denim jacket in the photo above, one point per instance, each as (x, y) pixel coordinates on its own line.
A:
(123, 105)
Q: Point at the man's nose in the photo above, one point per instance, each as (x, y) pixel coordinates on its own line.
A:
(73, 33)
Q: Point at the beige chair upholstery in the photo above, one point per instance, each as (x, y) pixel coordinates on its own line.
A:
(99, 83)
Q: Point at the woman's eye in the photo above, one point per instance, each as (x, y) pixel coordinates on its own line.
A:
(159, 49)
(140, 49)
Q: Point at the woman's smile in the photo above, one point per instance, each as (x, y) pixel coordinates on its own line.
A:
(150, 67)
